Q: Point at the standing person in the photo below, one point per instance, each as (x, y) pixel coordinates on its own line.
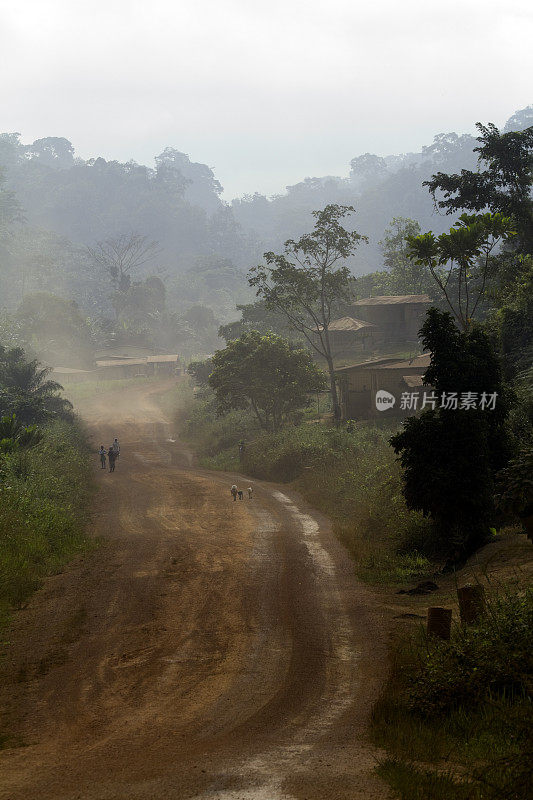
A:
(234, 492)
(250, 493)
(116, 448)
(240, 494)
(112, 456)
(102, 453)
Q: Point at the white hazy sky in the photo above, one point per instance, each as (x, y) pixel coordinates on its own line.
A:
(266, 93)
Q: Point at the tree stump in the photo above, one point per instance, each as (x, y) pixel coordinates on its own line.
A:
(439, 622)
(471, 603)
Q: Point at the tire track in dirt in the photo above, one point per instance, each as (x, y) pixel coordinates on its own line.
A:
(226, 649)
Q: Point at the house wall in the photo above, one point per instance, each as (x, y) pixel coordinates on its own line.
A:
(398, 321)
(358, 389)
(351, 341)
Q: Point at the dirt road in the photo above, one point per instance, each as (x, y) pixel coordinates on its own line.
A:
(207, 649)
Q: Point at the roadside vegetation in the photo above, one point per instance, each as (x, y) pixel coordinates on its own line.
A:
(417, 500)
(455, 717)
(45, 483)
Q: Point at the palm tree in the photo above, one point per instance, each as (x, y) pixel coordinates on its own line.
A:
(26, 392)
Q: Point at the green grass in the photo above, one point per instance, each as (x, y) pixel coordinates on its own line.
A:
(44, 500)
(455, 717)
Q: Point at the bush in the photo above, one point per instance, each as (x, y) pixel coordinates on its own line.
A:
(44, 497)
(467, 702)
(491, 659)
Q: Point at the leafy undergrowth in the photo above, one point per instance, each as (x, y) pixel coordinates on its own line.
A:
(455, 717)
(44, 499)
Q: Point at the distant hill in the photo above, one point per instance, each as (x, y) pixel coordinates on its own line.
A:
(206, 243)
(379, 188)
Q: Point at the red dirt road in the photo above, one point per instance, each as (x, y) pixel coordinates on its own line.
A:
(207, 649)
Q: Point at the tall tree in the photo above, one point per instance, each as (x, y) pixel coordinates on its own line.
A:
(460, 261)
(404, 277)
(308, 279)
(451, 452)
(120, 256)
(503, 185)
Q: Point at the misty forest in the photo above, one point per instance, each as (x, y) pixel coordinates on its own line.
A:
(96, 252)
(266, 475)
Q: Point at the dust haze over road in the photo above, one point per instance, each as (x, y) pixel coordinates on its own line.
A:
(207, 649)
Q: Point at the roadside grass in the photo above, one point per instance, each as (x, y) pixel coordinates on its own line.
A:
(455, 717)
(44, 499)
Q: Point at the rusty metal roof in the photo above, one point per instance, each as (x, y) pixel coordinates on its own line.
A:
(394, 300)
(421, 362)
(349, 324)
(370, 362)
(162, 359)
(116, 362)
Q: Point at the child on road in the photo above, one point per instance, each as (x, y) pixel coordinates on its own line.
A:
(112, 456)
(234, 492)
(102, 453)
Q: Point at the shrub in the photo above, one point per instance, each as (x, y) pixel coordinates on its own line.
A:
(493, 658)
(44, 497)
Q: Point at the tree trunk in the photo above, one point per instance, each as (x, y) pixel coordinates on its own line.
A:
(333, 392)
(439, 622)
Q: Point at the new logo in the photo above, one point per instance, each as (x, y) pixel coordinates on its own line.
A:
(384, 400)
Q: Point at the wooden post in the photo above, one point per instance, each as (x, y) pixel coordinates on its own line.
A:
(439, 622)
(471, 603)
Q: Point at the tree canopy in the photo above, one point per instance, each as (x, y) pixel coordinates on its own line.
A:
(308, 280)
(266, 374)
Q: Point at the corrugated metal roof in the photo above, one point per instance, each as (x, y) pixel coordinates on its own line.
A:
(162, 359)
(116, 362)
(419, 361)
(69, 371)
(370, 362)
(349, 324)
(393, 300)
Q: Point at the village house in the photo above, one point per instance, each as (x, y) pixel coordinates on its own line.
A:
(348, 335)
(396, 318)
(359, 384)
(114, 368)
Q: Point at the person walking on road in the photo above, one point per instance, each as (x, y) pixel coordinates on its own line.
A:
(112, 456)
(102, 453)
(234, 492)
(116, 448)
(240, 494)
(250, 493)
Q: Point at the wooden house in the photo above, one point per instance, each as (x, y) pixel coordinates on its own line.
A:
(348, 335)
(397, 318)
(359, 384)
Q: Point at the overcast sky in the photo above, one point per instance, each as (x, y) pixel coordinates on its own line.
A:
(265, 93)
